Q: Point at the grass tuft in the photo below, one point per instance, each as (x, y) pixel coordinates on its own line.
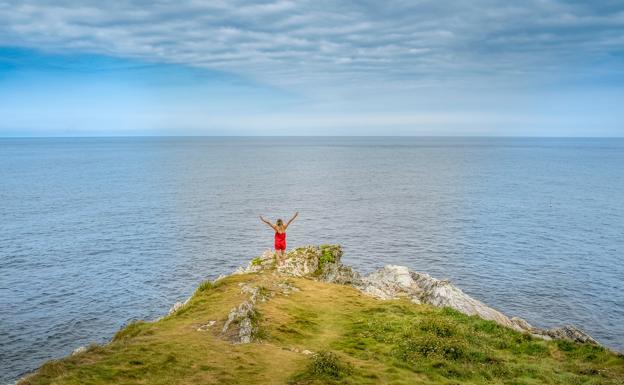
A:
(328, 364)
(133, 329)
(324, 367)
(204, 287)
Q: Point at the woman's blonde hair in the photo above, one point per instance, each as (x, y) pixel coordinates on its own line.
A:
(280, 224)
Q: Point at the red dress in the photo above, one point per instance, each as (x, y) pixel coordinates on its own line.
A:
(280, 241)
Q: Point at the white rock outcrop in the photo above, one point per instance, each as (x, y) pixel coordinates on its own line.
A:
(79, 350)
(239, 327)
(205, 327)
(390, 282)
(393, 281)
(176, 306)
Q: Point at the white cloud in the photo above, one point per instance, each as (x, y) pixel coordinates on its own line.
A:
(314, 43)
(394, 67)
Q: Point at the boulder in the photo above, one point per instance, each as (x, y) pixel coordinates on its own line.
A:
(570, 333)
(176, 306)
(442, 293)
(266, 261)
(79, 350)
(390, 282)
(206, 326)
(300, 262)
(319, 262)
(238, 327)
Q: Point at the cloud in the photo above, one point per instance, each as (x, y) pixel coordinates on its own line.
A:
(406, 44)
(537, 67)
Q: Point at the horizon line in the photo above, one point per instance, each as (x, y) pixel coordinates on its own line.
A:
(304, 136)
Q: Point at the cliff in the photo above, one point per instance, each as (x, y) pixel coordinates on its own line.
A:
(314, 320)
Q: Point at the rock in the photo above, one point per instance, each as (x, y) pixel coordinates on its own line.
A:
(305, 352)
(442, 293)
(287, 288)
(206, 326)
(390, 282)
(245, 331)
(252, 291)
(176, 306)
(300, 262)
(220, 277)
(266, 261)
(521, 324)
(339, 273)
(79, 350)
(320, 262)
(393, 281)
(570, 333)
(238, 327)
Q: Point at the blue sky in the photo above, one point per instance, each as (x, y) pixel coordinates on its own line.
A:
(484, 67)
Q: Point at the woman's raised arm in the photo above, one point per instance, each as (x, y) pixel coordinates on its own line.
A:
(268, 223)
(291, 219)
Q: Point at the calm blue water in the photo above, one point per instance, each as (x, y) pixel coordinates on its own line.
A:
(97, 232)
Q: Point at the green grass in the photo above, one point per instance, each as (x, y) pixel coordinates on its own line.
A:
(357, 340)
(444, 346)
(204, 287)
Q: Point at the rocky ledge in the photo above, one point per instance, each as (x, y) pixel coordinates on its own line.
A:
(323, 263)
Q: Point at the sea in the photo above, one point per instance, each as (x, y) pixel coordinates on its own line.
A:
(98, 232)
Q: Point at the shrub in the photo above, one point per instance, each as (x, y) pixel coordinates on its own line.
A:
(328, 364)
(410, 349)
(205, 286)
(438, 326)
(326, 255)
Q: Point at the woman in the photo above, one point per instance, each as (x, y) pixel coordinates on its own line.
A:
(280, 235)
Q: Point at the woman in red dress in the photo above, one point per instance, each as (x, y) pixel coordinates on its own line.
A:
(280, 235)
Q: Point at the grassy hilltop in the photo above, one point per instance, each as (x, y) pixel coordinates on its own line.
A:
(310, 332)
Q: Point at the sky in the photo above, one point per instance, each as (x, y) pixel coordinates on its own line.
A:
(319, 67)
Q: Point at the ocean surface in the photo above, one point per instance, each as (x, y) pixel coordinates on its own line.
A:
(97, 232)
